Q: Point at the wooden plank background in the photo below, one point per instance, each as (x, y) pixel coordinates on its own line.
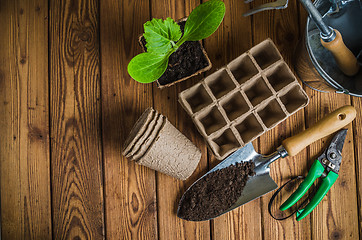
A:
(67, 105)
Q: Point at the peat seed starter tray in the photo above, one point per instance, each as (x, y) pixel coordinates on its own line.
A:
(241, 101)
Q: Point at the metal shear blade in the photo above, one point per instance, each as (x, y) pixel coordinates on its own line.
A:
(325, 167)
(332, 156)
(279, 4)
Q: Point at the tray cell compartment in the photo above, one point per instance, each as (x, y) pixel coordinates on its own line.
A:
(249, 96)
(249, 128)
(257, 91)
(211, 120)
(196, 98)
(294, 99)
(220, 83)
(234, 106)
(225, 143)
(271, 114)
(243, 68)
(279, 77)
(265, 54)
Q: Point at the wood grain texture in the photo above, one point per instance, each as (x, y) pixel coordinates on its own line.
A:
(67, 105)
(130, 189)
(336, 216)
(233, 37)
(357, 139)
(76, 155)
(24, 149)
(282, 27)
(169, 190)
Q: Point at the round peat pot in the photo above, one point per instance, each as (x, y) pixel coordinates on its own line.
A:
(315, 65)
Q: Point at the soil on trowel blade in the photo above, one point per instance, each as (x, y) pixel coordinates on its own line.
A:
(187, 60)
(215, 193)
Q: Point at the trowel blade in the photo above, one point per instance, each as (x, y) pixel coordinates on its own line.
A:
(256, 186)
(245, 154)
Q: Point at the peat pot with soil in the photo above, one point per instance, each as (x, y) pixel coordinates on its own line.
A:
(173, 50)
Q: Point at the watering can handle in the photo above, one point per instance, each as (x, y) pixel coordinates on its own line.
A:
(345, 59)
(326, 126)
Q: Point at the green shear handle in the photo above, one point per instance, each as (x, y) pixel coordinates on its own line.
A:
(327, 167)
(315, 172)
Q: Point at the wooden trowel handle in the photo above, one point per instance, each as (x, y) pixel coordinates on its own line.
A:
(345, 59)
(326, 126)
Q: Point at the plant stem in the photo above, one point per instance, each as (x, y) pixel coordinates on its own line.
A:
(172, 51)
(174, 45)
(180, 42)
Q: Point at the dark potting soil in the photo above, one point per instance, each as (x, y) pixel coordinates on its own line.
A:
(215, 193)
(187, 60)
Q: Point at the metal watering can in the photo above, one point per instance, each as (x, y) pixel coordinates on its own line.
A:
(330, 55)
(315, 64)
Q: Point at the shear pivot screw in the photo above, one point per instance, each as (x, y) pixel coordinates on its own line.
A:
(333, 155)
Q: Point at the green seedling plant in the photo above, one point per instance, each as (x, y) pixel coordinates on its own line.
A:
(164, 37)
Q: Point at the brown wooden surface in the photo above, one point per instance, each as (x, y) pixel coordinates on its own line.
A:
(68, 104)
(25, 160)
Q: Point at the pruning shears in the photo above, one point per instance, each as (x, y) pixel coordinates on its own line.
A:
(325, 166)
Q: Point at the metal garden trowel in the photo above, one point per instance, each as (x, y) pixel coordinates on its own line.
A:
(261, 183)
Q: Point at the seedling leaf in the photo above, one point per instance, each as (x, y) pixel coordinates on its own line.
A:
(161, 35)
(204, 20)
(147, 67)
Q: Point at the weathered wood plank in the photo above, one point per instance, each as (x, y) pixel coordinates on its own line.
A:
(233, 37)
(336, 216)
(357, 139)
(169, 190)
(24, 149)
(76, 152)
(130, 189)
(282, 27)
